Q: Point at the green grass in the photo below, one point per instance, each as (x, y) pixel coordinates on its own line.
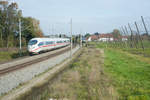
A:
(6, 56)
(146, 44)
(140, 51)
(131, 77)
(124, 47)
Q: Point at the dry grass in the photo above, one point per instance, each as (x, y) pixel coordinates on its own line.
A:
(84, 80)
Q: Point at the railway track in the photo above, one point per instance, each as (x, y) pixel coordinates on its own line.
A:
(26, 64)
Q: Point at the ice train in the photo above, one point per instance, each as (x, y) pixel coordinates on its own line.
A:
(38, 45)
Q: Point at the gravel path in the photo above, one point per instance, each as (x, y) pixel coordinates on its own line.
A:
(14, 79)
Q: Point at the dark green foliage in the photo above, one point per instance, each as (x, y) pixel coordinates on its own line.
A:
(9, 55)
(28, 29)
(96, 33)
(116, 34)
(87, 35)
(19, 54)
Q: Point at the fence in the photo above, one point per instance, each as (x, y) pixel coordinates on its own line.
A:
(138, 37)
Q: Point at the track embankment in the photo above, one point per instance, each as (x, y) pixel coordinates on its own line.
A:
(13, 66)
(39, 80)
(15, 79)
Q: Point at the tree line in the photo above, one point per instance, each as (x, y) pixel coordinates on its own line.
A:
(9, 25)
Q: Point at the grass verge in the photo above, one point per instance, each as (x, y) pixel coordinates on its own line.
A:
(131, 76)
(83, 80)
(6, 56)
(137, 51)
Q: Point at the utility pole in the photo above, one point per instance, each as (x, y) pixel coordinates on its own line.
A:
(144, 25)
(128, 34)
(50, 32)
(71, 38)
(139, 35)
(20, 35)
(132, 38)
(124, 32)
(81, 38)
(1, 38)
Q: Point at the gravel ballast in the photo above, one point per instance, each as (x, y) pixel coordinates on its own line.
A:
(14, 79)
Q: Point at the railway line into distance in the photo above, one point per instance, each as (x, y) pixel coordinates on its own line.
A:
(10, 68)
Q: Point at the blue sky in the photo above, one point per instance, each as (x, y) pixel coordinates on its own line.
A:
(87, 15)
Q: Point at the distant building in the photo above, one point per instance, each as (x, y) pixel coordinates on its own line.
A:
(92, 38)
(124, 38)
(106, 37)
(52, 36)
(89, 39)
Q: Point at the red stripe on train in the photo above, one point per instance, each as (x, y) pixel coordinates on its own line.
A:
(48, 46)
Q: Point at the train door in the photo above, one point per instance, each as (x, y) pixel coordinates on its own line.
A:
(52, 45)
(44, 47)
(40, 46)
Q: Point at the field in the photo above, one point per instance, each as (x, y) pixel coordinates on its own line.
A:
(83, 80)
(126, 47)
(130, 75)
(99, 73)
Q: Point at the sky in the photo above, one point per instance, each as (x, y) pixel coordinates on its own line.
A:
(87, 15)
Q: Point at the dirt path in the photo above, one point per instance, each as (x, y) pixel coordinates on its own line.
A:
(85, 79)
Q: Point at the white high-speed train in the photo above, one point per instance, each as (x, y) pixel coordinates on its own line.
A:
(38, 45)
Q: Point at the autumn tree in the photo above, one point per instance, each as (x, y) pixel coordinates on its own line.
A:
(8, 22)
(116, 34)
(9, 25)
(30, 28)
(87, 35)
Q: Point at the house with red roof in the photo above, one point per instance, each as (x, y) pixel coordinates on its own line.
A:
(93, 38)
(106, 37)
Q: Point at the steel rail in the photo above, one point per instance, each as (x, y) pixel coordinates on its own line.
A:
(26, 64)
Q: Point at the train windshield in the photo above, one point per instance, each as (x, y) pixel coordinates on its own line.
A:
(33, 42)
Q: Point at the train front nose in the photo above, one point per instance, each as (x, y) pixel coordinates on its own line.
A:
(30, 48)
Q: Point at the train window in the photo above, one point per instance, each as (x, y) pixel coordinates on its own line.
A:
(33, 42)
(49, 42)
(41, 44)
(59, 41)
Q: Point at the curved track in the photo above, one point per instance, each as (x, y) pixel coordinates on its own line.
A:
(26, 64)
